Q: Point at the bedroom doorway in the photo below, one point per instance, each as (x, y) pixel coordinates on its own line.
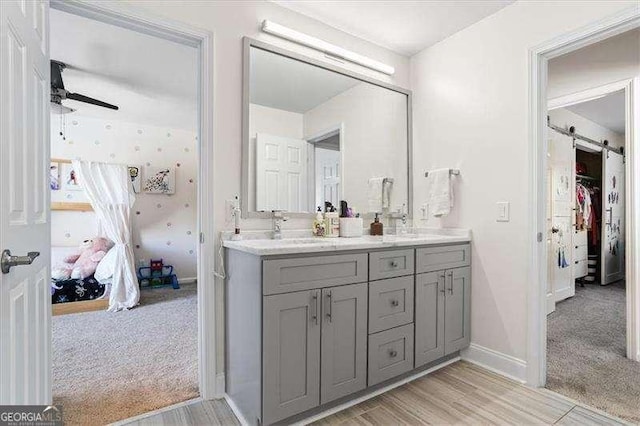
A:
(147, 357)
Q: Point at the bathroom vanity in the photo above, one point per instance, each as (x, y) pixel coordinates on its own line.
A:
(313, 323)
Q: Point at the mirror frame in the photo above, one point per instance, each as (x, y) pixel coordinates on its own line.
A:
(248, 43)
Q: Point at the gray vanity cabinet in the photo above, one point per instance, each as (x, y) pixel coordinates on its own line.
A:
(430, 302)
(343, 363)
(305, 331)
(291, 350)
(457, 322)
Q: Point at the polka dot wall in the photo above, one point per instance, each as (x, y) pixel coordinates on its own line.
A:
(164, 226)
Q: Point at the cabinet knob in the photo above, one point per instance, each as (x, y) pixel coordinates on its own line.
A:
(394, 302)
(393, 353)
(394, 264)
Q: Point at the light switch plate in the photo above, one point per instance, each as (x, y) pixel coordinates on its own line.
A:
(503, 211)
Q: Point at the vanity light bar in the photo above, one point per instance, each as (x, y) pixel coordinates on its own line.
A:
(328, 48)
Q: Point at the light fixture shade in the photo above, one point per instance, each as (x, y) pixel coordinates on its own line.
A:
(321, 45)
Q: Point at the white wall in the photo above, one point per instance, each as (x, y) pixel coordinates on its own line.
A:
(375, 135)
(614, 59)
(564, 118)
(230, 21)
(471, 112)
(164, 226)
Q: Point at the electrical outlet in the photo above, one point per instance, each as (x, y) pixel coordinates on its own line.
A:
(424, 209)
(503, 211)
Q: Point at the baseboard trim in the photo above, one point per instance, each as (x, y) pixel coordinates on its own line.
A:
(375, 393)
(187, 280)
(236, 410)
(564, 294)
(505, 365)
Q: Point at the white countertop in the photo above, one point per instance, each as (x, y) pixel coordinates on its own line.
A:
(270, 247)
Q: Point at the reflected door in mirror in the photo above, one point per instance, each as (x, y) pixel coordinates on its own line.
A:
(281, 165)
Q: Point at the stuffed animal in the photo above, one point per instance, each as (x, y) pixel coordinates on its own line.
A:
(84, 263)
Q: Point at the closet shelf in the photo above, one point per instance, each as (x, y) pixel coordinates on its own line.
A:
(585, 177)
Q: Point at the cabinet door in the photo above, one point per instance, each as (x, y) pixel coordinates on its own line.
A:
(430, 294)
(344, 341)
(457, 308)
(291, 358)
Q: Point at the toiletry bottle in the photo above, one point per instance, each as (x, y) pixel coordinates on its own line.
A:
(318, 224)
(376, 226)
(332, 223)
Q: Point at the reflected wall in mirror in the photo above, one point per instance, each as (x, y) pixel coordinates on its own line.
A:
(317, 136)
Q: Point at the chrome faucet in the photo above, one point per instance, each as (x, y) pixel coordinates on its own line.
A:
(278, 217)
(399, 221)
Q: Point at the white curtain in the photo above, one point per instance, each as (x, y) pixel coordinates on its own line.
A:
(108, 187)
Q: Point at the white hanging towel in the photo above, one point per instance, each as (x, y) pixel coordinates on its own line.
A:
(440, 197)
(374, 195)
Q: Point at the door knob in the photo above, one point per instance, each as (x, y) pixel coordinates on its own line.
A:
(7, 261)
(393, 353)
(394, 303)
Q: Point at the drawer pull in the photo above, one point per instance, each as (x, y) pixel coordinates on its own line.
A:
(314, 307)
(394, 302)
(394, 264)
(329, 307)
(451, 288)
(393, 353)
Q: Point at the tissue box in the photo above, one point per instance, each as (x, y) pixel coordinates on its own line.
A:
(351, 226)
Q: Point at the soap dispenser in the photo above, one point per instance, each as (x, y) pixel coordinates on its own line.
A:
(376, 226)
(318, 224)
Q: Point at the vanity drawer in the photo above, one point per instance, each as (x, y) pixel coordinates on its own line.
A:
(390, 353)
(286, 275)
(389, 264)
(437, 258)
(390, 303)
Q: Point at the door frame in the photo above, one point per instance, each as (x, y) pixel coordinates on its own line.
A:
(210, 385)
(539, 57)
(311, 158)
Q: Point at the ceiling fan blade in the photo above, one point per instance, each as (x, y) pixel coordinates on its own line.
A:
(82, 98)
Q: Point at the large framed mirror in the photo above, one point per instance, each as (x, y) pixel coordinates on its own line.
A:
(315, 134)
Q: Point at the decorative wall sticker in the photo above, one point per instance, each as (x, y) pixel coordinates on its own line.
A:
(70, 180)
(96, 142)
(54, 176)
(160, 180)
(139, 131)
(108, 127)
(613, 181)
(135, 173)
(168, 134)
(159, 149)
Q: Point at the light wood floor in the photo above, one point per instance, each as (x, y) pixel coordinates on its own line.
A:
(460, 393)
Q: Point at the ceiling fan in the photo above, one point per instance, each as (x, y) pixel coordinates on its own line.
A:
(59, 93)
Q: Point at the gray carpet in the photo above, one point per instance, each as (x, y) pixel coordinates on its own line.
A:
(586, 351)
(111, 366)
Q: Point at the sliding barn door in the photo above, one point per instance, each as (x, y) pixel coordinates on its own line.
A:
(25, 298)
(562, 215)
(281, 173)
(612, 260)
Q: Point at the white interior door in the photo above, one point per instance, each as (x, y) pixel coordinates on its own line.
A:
(281, 173)
(327, 166)
(25, 299)
(613, 251)
(562, 203)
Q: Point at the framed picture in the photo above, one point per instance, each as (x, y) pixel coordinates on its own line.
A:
(135, 173)
(54, 176)
(159, 180)
(70, 180)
